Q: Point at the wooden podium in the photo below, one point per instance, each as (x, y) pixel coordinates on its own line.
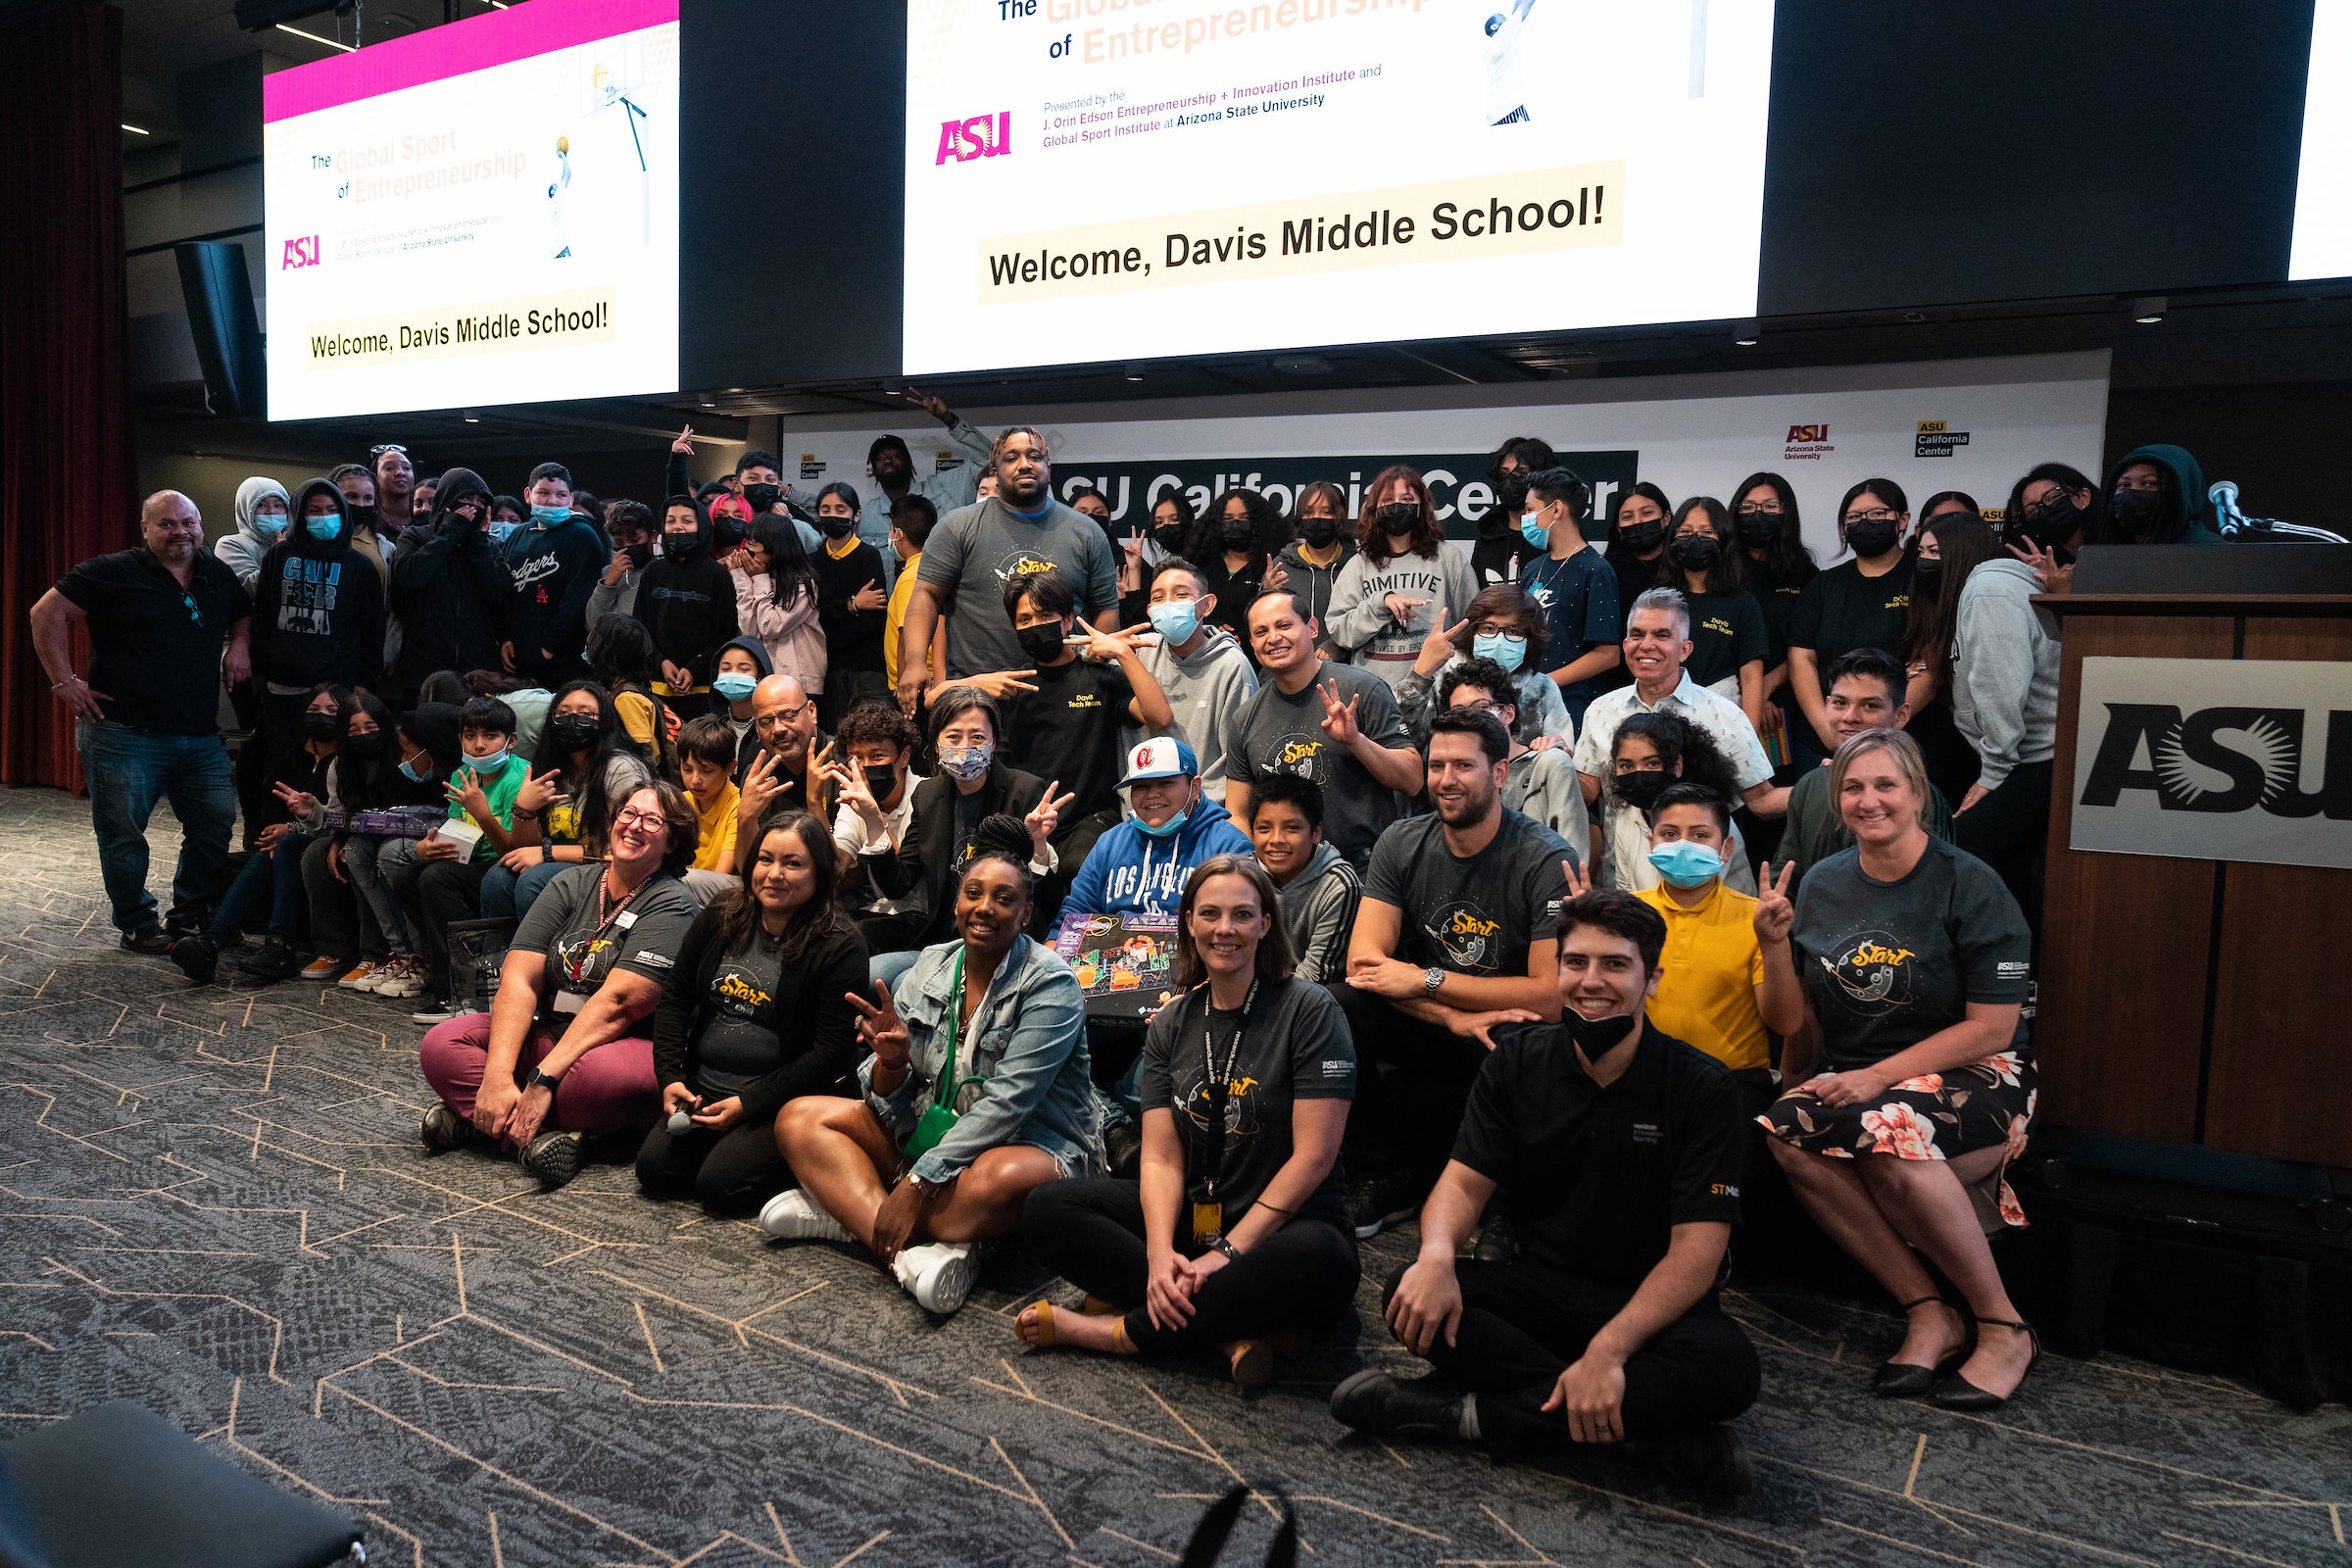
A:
(2199, 1000)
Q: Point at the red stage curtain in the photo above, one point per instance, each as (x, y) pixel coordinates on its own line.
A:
(67, 473)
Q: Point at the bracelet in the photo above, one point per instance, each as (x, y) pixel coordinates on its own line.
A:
(1224, 1243)
(60, 685)
(522, 816)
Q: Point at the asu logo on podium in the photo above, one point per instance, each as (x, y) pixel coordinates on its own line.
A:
(981, 136)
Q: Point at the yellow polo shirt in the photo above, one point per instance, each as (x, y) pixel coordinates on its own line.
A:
(893, 616)
(1708, 977)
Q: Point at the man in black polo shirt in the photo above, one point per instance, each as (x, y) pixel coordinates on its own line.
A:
(1617, 1148)
(147, 720)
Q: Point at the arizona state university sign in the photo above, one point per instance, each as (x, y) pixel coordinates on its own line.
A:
(2215, 760)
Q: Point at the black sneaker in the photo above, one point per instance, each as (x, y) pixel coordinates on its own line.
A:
(1374, 1203)
(444, 1128)
(553, 1157)
(197, 958)
(270, 964)
(1495, 1243)
(1709, 1460)
(147, 939)
(1387, 1406)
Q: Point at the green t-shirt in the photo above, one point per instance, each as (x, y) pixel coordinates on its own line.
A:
(502, 788)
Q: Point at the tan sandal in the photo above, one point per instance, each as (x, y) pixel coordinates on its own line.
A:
(1045, 1325)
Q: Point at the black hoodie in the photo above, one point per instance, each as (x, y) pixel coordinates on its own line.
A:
(553, 572)
(687, 600)
(449, 588)
(317, 605)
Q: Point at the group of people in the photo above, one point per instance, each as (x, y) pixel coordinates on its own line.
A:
(1554, 891)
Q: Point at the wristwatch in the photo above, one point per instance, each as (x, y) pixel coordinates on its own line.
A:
(538, 1079)
(1232, 1254)
(1432, 978)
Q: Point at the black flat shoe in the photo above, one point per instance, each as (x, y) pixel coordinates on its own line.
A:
(1907, 1380)
(1956, 1393)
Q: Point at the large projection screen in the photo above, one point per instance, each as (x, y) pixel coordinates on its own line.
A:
(1114, 179)
(2323, 242)
(485, 213)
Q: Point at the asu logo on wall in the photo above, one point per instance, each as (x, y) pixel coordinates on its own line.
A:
(981, 136)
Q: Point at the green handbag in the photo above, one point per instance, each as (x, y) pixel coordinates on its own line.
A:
(938, 1117)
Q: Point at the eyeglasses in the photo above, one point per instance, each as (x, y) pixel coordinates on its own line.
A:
(1484, 708)
(389, 446)
(646, 820)
(785, 715)
(189, 599)
(1875, 515)
(1760, 508)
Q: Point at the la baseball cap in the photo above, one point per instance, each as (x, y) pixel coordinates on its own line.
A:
(1164, 757)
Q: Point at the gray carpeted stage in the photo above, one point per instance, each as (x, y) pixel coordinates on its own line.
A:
(215, 1203)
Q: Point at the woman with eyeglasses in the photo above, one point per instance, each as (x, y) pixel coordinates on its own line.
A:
(1856, 604)
(562, 1053)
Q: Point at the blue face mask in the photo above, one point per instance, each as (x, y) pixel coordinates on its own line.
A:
(733, 686)
(1534, 532)
(323, 528)
(414, 774)
(550, 516)
(498, 532)
(495, 763)
(270, 524)
(1177, 619)
(1501, 647)
(1168, 829)
(1686, 865)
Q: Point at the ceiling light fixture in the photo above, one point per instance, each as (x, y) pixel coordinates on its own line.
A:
(136, 130)
(1132, 370)
(347, 48)
(474, 416)
(2149, 310)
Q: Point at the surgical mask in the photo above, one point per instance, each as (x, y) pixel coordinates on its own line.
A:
(1399, 518)
(550, 516)
(837, 527)
(270, 524)
(1501, 647)
(761, 496)
(493, 762)
(734, 685)
(1695, 552)
(1041, 643)
(1533, 531)
(880, 780)
(1168, 829)
(1872, 538)
(1240, 534)
(1642, 537)
(414, 775)
(322, 726)
(365, 748)
(1598, 1037)
(1758, 528)
(1684, 863)
(1319, 532)
(1177, 619)
(575, 732)
(501, 532)
(324, 528)
(2135, 511)
(1640, 790)
(967, 762)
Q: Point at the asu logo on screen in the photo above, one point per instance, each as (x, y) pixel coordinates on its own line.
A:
(981, 136)
(303, 251)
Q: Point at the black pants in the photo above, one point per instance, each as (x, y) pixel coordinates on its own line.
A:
(1523, 1325)
(1412, 1080)
(845, 689)
(725, 1172)
(2009, 830)
(334, 904)
(890, 933)
(1090, 1230)
(446, 891)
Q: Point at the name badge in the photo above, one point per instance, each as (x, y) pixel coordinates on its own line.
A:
(625, 919)
(568, 1001)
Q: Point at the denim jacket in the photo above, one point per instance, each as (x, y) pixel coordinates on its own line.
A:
(1028, 1040)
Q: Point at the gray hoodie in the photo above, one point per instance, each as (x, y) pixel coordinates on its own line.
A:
(1205, 690)
(1543, 786)
(1318, 911)
(241, 552)
(2005, 671)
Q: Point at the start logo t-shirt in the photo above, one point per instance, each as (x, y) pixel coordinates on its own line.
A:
(1473, 916)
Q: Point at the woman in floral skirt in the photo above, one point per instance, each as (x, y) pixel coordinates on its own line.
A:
(1909, 962)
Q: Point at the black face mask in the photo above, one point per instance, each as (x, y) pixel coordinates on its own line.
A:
(1758, 528)
(2051, 523)
(1510, 494)
(575, 732)
(1319, 532)
(1695, 552)
(1871, 539)
(1927, 573)
(1598, 1037)
(638, 554)
(1169, 536)
(681, 546)
(1641, 537)
(837, 527)
(2135, 511)
(1640, 790)
(881, 778)
(365, 748)
(1399, 518)
(322, 726)
(761, 496)
(1239, 535)
(1041, 643)
(363, 516)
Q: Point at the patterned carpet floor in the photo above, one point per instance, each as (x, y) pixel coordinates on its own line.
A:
(215, 1203)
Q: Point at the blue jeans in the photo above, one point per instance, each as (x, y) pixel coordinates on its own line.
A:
(508, 895)
(271, 879)
(128, 770)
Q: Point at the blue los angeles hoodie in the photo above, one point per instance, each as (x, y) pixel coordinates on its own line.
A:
(1131, 872)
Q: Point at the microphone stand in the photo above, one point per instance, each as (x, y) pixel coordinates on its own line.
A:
(2236, 525)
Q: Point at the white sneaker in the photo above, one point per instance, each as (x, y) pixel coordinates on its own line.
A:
(939, 1275)
(399, 975)
(791, 1216)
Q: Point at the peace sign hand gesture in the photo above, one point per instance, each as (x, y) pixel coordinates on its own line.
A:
(1339, 719)
(881, 1029)
(684, 444)
(1775, 913)
(301, 803)
(539, 790)
(1438, 646)
(1580, 882)
(851, 790)
(1106, 647)
(2055, 578)
(1044, 817)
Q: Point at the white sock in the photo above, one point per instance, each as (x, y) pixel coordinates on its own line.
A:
(1468, 1430)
